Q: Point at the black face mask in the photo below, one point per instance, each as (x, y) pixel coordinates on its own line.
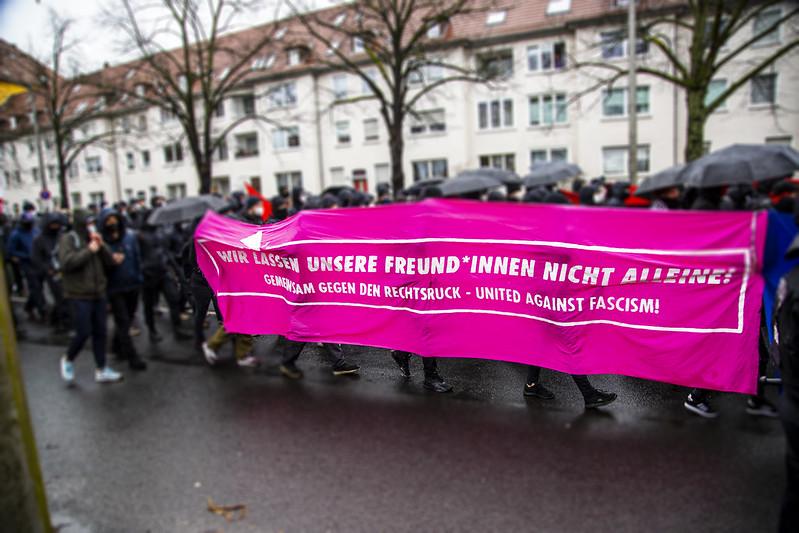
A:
(52, 230)
(27, 225)
(112, 229)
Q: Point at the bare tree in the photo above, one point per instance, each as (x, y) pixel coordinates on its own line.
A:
(64, 103)
(191, 80)
(399, 40)
(718, 32)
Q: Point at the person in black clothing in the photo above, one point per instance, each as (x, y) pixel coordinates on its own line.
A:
(46, 268)
(593, 397)
(158, 279)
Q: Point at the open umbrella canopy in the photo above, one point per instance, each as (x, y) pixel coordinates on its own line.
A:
(741, 164)
(185, 209)
(550, 173)
(335, 189)
(417, 188)
(665, 179)
(505, 177)
(468, 183)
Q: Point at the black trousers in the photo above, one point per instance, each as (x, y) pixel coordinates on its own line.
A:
(59, 315)
(586, 389)
(36, 301)
(789, 413)
(151, 290)
(430, 364)
(289, 351)
(123, 308)
(89, 318)
(202, 296)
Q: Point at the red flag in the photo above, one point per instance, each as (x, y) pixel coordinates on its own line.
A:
(266, 203)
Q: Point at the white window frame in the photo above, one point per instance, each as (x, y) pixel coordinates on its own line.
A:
(643, 169)
(282, 95)
(501, 109)
(548, 154)
(282, 138)
(769, 39)
(432, 121)
(539, 50)
(556, 100)
(752, 90)
(497, 17)
(625, 101)
(343, 134)
(371, 130)
(558, 7)
(340, 86)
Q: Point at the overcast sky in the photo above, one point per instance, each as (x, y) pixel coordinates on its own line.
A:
(25, 23)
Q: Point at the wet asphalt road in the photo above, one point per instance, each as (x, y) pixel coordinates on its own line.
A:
(378, 453)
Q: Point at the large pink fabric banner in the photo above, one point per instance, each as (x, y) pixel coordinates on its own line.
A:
(668, 296)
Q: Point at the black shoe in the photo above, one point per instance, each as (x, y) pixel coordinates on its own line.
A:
(403, 362)
(436, 383)
(536, 390)
(761, 407)
(290, 371)
(155, 337)
(181, 335)
(598, 398)
(343, 368)
(136, 363)
(701, 408)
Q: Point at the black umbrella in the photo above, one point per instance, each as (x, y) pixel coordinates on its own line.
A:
(505, 177)
(335, 189)
(741, 164)
(468, 183)
(185, 209)
(665, 179)
(417, 188)
(550, 173)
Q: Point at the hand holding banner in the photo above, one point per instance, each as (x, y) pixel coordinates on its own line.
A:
(669, 296)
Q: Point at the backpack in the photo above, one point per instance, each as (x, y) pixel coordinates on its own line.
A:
(55, 262)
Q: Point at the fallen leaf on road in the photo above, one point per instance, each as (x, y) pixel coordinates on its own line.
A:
(231, 513)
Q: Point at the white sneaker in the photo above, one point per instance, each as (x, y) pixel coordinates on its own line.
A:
(107, 375)
(67, 370)
(249, 361)
(210, 355)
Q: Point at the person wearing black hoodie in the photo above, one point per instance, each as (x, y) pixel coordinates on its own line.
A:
(124, 282)
(46, 268)
(158, 280)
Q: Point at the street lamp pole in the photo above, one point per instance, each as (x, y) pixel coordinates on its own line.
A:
(632, 93)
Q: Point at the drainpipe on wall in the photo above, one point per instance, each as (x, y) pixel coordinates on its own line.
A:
(320, 156)
(115, 157)
(675, 102)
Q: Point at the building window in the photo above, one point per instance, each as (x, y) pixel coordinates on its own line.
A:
(337, 176)
(614, 101)
(436, 31)
(255, 183)
(371, 131)
(94, 165)
(289, 180)
(220, 185)
(371, 73)
(714, 89)
(496, 65)
(548, 109)
(97, 198)
(142, 123)
(343, 132)
(359, 180)
(283, 95)
(173, 153)
(501, 161)
(783, 140)
(546, 57)
(294, 56)
(131, 160)
(614, 160)
(219, 110)
(428, 122)
(246, 145)
(382, 173)
(764, 89)
(279, 34)
(546, 155)
(496, 17)
(615, 44)
(357, 45)
(340, 18)
(263, 62)
(340, 86)
(167, 115)
(558, 7)
(286, 138)
(145, 158)
(495, 114)
(763, 21)
(221, 151)
(431, 168)
(140, 89)
(72, 171)
(175, 191)
(76, 200)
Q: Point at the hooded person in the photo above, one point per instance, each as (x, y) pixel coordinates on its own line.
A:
(46, 266)
(253, 210)
(280, 209)
(124, 283)
(158, 279)
(784, 196)
(18, 250)
(84, 257)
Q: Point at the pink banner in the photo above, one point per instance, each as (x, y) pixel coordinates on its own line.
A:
(668, 296)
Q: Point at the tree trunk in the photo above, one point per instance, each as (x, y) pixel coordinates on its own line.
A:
(397, 149)
(697, 117)
(23, 503)
(204, 173)
(63, 185)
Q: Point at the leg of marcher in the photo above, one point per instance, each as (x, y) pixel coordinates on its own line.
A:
(131, 304)
(99, 318)
(201, 298)
(335, 354)
(403, 360)
(698, 402)
(171, 294)
(289, 351)
(758, 405)
(432, 379)
(149, 296)
(243, 350)
(533, 387)
(789, 516)
(593, 397)
(83, 328)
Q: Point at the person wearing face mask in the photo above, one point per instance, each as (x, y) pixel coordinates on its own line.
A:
(83, 258)
(124, 282)
(18, 250)
(47, 268)
(665, 199)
